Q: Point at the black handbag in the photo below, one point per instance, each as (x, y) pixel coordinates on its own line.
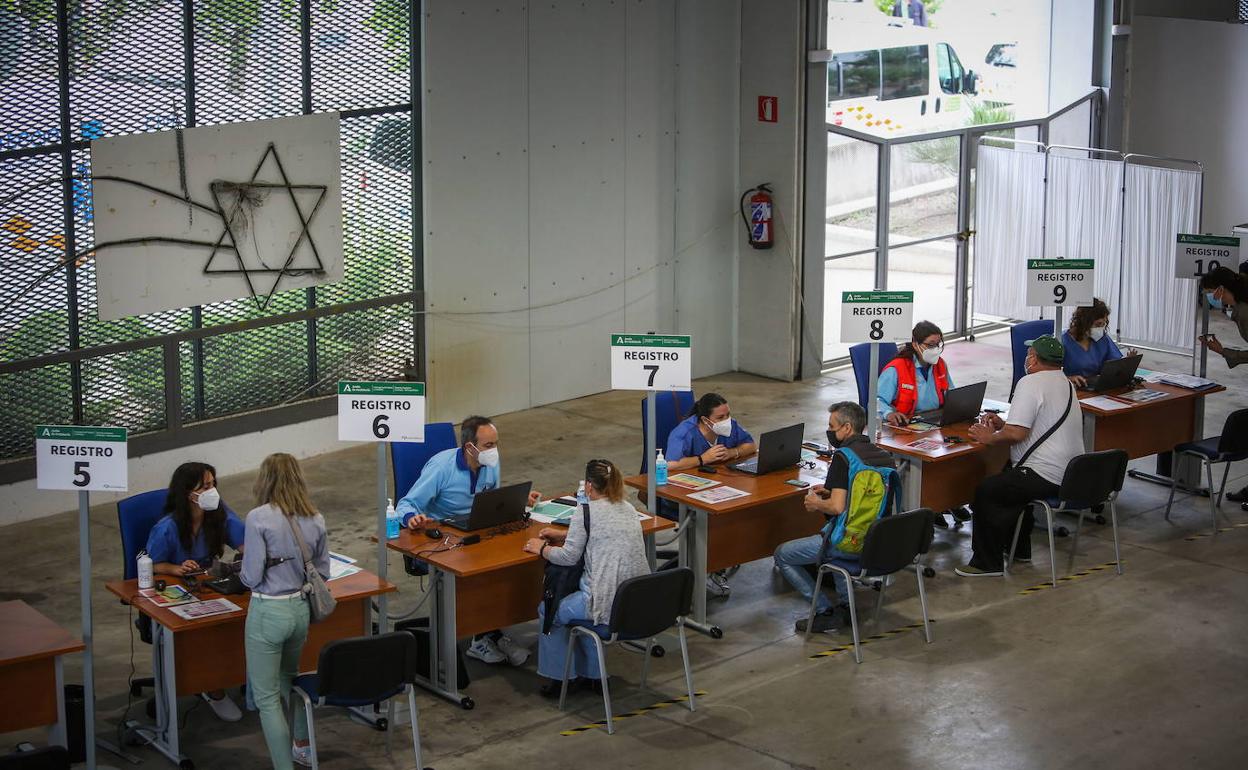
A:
(559, 581)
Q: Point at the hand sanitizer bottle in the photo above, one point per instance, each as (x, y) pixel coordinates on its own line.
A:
(394, 523)
(660, 468)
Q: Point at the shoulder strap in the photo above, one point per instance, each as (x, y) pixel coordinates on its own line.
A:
(303, 546)
(1069, 400)
(585, 520)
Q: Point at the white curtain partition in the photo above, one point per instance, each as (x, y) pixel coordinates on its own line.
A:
(1085, 217)
(1157, 308)
(1009, 215)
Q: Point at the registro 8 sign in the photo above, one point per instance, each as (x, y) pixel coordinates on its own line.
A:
(650, 362)
(876, 316)
(80, 458)
(381, 411)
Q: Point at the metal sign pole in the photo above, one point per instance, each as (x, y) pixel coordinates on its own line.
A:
(872, 389)
(651, 441)
(382, 556)
(88, 664)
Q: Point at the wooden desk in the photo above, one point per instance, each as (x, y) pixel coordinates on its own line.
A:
(740, 530)
(945, 478)
(1147, 428)
(194, 656)
(480, 587)
(32, 681)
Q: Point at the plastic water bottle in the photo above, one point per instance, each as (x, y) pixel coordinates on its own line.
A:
(393, 522)
(581, 497)
(145, 570)
(660, 468)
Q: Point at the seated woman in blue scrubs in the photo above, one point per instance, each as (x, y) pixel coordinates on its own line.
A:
(193, 532)
(708, 435)
(917, 379)
(1088, 344)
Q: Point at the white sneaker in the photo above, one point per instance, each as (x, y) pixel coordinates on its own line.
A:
(516, 655)
(717, 584)
(302, 755)
(225, 709)
(485, 650)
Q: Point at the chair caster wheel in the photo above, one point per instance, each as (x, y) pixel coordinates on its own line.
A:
(467, 704)
(928, 572)
(657, 651)
(382, 724)
(717, 632)
(1061, 532)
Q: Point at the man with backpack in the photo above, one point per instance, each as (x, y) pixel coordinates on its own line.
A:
(1044, 433)
(861, 483)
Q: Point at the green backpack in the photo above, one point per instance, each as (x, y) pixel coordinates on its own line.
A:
(871, 489)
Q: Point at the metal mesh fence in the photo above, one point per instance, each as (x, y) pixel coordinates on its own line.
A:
(134, 66)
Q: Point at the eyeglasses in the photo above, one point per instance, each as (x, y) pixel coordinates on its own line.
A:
(935, 346)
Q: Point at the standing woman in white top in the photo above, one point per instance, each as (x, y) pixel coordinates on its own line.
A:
(277, 618)
(614, 552)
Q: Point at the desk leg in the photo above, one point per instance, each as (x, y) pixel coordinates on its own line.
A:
(164, 735)
(56, 734)
(912, 485)
(443, 675)
(694, 524)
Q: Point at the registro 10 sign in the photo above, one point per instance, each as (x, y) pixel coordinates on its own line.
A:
(876, 316)
(381, 411)
(1196, 255)
(81, 458)
(650, 361)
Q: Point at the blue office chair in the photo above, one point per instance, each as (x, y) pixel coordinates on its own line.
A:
(1020, 333)
(670, 407)
(860, 357)
(1229, 447)
(407, 460)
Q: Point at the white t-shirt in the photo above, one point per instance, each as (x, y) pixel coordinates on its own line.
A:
(1039, 401)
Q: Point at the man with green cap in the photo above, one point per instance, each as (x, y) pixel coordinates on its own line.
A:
(1044, 433)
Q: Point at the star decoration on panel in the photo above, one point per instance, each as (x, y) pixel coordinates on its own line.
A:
(289, 210)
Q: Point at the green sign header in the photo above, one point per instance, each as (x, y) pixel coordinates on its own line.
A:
(885, 297)
(79, 433)
(381, 388)
(1209, 240)
(1059, 264)
(650, 340)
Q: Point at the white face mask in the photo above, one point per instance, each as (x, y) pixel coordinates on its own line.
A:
(723, 427)
(930, 356)
(209, 499)
(488, 457)
(1096, 333)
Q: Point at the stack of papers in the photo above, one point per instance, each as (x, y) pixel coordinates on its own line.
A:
(340, 566)
(205, 609)
(550, 512)
(718, 495)
(172, 596)
(1189, 381)
(689, 481)
(1141, 395)
(1106, 403)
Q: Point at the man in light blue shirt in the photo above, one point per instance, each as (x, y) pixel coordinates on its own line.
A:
(445, 488)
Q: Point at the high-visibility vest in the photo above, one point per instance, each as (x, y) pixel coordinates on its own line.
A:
(907, 383)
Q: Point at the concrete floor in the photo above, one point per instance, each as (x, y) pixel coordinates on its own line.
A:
(1142, 670)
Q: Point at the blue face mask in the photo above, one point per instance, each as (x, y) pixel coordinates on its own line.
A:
(1213, 301)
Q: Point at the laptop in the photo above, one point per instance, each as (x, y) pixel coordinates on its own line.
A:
(777, 449)
(1117, 373)
(961, 404)
(494, 507)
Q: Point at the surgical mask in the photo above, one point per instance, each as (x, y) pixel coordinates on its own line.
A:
(723, 427)
(209, 499)
(833, 440)
(930, 356)
(488, 457)
(1213, 301)
(1096, 333)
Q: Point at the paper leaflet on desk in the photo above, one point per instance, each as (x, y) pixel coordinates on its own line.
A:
(927, 445)
(1189, 381)
(550, 512)
(689, 481)
(172, 596)
(339, 569)
(1105, 402)
(718, 495)
(205, 609)
(1140, 396)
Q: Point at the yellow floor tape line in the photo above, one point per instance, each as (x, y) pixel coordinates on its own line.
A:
(635, 713)
(834, 651)
(1071, 577)
(1204, 535)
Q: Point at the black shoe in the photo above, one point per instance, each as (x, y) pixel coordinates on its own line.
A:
(940, 521)
(962, 514)
(1238, 496)
(1243, 506)
(824, 621)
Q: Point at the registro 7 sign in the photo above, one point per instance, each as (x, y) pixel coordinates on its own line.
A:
(650, 362)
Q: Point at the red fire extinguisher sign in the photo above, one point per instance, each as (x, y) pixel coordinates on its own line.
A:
(768, 109)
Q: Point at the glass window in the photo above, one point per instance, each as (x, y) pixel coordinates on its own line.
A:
(854, 75)
(905, 72)
(948, 69)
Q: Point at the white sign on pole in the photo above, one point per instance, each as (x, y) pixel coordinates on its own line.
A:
(650, 362)
(381, 411)
(1060, 282)
(1196, 255)
(876, 316)
(81, 459)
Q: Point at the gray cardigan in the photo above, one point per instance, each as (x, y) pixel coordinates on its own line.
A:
(268, 536)
(1236, 357)
(615, 552)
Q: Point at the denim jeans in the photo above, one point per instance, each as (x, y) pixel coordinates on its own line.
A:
(276, 631)
(794, 556)
(552, 648)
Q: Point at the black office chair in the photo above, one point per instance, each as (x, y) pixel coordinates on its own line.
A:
(362, 671)
(1091, 480)
(1231, 446)
(644, 607)
(892, 544)
(43, 758)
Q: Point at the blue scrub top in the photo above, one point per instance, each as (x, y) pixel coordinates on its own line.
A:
(1087, 363)
(163, 544)
(924, 382)
(686, 440)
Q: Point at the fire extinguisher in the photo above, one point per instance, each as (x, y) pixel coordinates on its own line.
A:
(758, 230)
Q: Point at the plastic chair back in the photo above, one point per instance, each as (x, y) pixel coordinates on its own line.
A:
(136, 515)
(407, 459)
(1020, 333)
(860, 357)
(364, 668)
(894, 542)
(670, 407)
(646, 605)
(1234, 438)
(1091, 479)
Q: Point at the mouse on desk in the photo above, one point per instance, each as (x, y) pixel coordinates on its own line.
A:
(433, 533)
